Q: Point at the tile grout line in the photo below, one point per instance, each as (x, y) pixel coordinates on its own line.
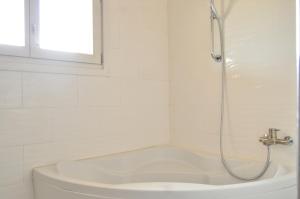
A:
(77, 91)
(23, 163)
(22, 90)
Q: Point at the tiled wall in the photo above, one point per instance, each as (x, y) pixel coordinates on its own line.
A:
(261, 76)
(48, 117)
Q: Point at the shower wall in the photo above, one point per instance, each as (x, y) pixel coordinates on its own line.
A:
(261, 76)
(47, 117)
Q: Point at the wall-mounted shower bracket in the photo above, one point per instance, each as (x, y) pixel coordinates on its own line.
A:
(217, 58)
(215, 17)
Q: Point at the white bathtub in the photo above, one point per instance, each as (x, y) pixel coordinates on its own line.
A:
(159, 173)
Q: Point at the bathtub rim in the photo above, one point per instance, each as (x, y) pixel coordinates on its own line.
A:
(50, 175)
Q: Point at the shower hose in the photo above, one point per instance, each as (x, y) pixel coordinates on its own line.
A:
(222, 109)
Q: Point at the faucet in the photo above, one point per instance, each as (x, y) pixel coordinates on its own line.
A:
(271, 138)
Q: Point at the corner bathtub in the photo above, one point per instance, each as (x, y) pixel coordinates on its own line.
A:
(160, 173)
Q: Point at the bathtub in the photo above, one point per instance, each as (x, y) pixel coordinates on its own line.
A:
(160, 173)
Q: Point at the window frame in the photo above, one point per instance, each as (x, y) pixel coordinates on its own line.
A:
(31, 50)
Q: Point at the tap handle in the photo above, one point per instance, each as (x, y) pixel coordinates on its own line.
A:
(273, 130)
(273, 133)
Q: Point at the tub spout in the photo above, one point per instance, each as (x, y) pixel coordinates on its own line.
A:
(286, 141)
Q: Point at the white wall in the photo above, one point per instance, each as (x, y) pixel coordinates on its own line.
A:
(48, 117)
(260, 47)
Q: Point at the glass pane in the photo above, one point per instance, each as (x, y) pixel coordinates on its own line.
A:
(66, 25)
(12, 22)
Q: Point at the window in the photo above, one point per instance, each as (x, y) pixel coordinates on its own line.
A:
(14, 22)
(13, 29)
(66, 30)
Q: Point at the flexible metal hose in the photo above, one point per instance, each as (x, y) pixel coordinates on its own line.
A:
(222, 109)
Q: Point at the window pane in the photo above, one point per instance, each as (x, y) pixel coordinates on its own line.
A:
(66, 25)
(12, 22)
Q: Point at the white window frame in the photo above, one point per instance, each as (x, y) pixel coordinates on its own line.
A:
(33, 51)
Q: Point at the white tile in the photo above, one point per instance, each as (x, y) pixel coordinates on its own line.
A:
(11, 165)
(99, 91)
(12, 155)
(72, 125)
(18, 191)
(154, 124)
(24, 126)
(138, 125)
(154, 56)
(10, 89)
(145, 92)
(142, 40)
(49, 90)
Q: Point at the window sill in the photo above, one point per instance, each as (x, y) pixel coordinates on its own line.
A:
(21, 64)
